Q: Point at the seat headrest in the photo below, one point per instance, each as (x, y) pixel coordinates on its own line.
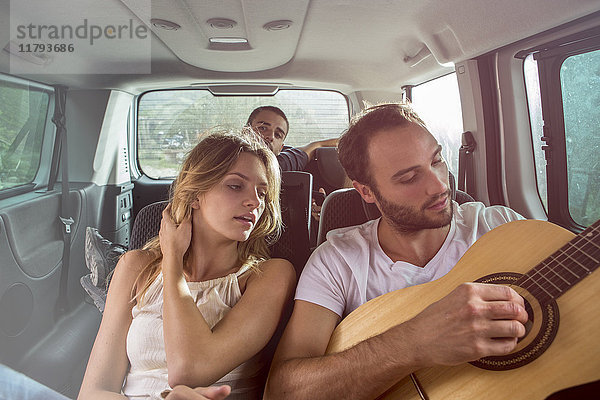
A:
(330, 168)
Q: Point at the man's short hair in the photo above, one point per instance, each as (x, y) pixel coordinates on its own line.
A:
(273, 109)
(353, 144)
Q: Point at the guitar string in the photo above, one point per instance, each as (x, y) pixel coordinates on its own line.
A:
(538, 290)
(532, 283)
(547, 266)
(532, 280)
(580, 257)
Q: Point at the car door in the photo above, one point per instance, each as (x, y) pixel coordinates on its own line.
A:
(36, 337)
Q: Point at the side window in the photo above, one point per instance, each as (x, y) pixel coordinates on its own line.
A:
(171, 122)
(563, 90)
(23, 113)
(580, 85)
(438, 104)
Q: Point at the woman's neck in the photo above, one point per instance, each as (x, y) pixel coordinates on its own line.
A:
(210, 258)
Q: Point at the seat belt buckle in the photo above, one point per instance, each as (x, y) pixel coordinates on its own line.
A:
(67, 223)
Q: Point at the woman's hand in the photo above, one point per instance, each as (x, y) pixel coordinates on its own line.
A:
(200, 393)
(174, 239)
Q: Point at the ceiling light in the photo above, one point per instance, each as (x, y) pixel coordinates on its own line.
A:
(278, 25)
(228, 43)
(228, 40)
(221, 23)
(164, 24)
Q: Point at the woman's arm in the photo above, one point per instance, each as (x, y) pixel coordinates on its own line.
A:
(199, 356)
(108, 361)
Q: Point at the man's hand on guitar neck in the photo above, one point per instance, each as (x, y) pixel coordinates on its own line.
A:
(473, 321)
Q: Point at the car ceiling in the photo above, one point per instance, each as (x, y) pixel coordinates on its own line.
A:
(348, 45)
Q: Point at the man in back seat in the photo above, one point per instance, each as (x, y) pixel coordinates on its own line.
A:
(273, 126)
(395, 163)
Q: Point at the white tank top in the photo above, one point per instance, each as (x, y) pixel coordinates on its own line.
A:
(147, 377)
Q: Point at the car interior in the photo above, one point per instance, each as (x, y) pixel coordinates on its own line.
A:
(100, 101)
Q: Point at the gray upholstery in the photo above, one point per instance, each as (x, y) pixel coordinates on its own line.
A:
(147, 224)
(296, 198)
(343, 207)
(330, 168)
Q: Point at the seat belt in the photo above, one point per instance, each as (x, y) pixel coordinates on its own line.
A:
(466, 177)
(59, 119)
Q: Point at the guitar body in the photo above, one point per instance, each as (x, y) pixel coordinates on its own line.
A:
(561, 350)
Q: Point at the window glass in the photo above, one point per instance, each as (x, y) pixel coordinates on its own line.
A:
(438, 104)
(580, 86)
(23, 112)
(171, 122)
(534, 101)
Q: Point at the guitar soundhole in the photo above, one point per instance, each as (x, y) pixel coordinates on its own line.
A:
(545, 329)
(529, 323)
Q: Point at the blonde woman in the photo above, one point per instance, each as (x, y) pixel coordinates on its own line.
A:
(198, 303)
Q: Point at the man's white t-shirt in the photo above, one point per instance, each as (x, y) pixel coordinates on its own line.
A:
(350, 268)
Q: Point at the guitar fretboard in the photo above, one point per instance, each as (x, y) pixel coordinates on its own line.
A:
(565, 267)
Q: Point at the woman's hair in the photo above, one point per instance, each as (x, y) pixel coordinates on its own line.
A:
(204, 167)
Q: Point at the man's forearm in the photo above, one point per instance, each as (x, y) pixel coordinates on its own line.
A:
(362, 372)
(310, 148)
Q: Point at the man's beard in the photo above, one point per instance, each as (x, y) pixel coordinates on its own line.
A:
(411, 219)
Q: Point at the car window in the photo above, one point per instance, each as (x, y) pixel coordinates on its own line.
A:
(23, 113)
(171, 122)
(580, 86)
(438, 103)
(577, 83)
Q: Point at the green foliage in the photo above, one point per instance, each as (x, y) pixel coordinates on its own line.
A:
(22, 118)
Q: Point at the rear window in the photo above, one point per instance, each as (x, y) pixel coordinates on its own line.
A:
(171, 122)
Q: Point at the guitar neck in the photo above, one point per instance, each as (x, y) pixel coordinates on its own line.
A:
(566, 267)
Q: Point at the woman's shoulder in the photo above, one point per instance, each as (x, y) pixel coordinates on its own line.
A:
(274, 269)
(279, 264)
(132, 263)
(275, 277)
(136, 260)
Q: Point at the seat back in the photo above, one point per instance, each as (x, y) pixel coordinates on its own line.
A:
(345, 207)
(341, 208)
(330, 169)
(293, 245)
(296, 198)
(147, 224)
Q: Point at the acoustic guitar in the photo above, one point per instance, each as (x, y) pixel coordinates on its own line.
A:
(562, 297)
